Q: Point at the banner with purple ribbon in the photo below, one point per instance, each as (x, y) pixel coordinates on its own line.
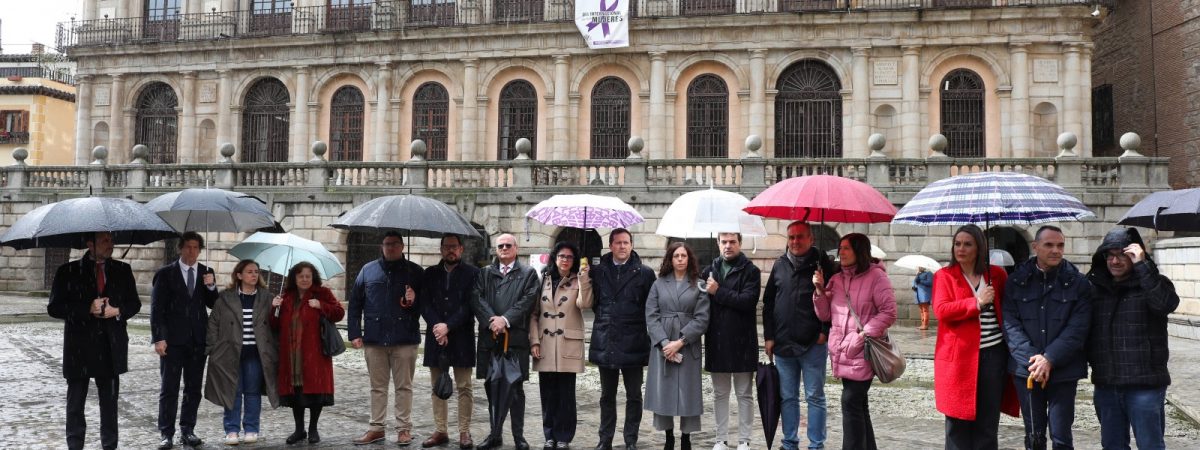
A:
(603, 23)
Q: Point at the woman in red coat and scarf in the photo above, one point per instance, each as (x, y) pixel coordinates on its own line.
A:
(305, 376)
(970, 382)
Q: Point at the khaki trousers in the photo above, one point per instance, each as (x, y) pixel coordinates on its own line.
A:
(397, 363)
(462, 389)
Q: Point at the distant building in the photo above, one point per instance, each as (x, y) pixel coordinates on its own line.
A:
(37, 107)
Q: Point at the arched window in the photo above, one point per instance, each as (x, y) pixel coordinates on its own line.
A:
(431, 119)
(157, 121)
(808, 112)
(518, 118)
(346, 125)
(265, 122)
(707, 117)
(610, 119)
(962, 114)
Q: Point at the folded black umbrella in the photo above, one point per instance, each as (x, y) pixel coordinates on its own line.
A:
(443, 388)
(67, 223)
(503, 372)
(766, 379)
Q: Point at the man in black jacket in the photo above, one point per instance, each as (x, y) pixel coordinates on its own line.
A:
(795, 338)
(731, 341)
(1127, 343)
(449, 334)
(180, 296)
(94, 296)
(620, 345)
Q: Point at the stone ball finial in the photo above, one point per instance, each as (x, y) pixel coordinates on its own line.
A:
(938, 144)
(1066, 143)
(227, 150)
(753, 144)
(140, 152)
(418, 148)
(636, 144)
(1131, 142)
(100, 155)
(523, 148)
(876, 142)
(19, 154)
(318, 149)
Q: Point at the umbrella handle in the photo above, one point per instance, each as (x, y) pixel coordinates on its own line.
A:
(496, 337)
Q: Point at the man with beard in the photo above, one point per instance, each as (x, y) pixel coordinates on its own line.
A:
(449, 336)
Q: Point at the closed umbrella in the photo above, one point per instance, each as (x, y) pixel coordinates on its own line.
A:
(708, 212)
(1177, 210)
(278, 252)
(912, 262)
(824, 198)
(503, 372)
(67, 223)
(770, 399)
(410, 214)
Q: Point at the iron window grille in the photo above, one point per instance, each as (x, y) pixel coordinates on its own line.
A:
(346, 125)
(431, 119)
(265, 122)
(963, 114)
(157, 123)
(610, 119)
(707, 117)
(518, 119)
(808, 112)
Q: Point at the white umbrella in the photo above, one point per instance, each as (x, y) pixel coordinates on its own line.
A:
(912, 262)
(278, 252)
(998, 257)
(708, 212)
(877, 252)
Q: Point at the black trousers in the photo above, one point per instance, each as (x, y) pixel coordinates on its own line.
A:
(515, 408)
(558, 405)
(186, 362)
(107, 390)
(857, 432)
(633, 403)
(981, 433)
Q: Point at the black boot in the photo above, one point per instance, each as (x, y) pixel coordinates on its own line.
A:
(670, 444)
(685, 442)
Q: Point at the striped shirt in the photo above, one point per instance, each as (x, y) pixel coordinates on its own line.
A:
(989, 327)
(247, 319)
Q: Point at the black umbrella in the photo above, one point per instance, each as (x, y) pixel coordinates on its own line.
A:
(212, 210)
(769, 399)
(1166, 211)
(410, 214)
(67, 223)
(503, 373)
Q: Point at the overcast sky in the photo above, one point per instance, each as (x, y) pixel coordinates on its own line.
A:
(23, 22)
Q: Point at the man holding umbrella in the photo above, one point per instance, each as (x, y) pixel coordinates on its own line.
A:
(94, 295)
(503, 299)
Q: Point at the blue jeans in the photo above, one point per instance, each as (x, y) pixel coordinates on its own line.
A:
(1119, 409)
(1053, 407)
(809, 366)
(250, 382)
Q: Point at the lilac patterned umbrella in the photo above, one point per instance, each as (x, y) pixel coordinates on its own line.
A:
(585, 211)
(994, 198)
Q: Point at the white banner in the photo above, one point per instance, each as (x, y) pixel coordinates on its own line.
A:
(603, 23)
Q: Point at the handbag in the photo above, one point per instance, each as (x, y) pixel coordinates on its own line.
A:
(331, 340)
(443, 388)
(882, 353)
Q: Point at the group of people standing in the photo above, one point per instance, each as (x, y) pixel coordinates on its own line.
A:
(1006, 343)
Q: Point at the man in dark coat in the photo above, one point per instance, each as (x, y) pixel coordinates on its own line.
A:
(502, 300)
(1047, 310)
(1127, 344)
(794, 337)
(385, 319)
(94, 296)
(731, 342)
(449, 334)
(620, 345)
(181, 294)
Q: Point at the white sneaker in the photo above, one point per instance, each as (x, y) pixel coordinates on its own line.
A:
(231, 439)
(744, 446)
(250, 438)
(720, 446)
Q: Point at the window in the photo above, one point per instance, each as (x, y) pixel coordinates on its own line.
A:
(265, 122)
(708, 7)
(610, 119)
(962, 114)
(161, 20)
(431, 12)
(707, 117)
(1104, 139)
(162, 9)
(348, 15)
(14, 127)
(157, 120)
(808, 112)
(431, 105)
(271, 17)
(518, 11)
(346, 125)
(518, 118)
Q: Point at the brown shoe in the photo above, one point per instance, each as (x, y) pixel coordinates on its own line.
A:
(404, 438)
(370, 437)
(464, 441)
(438, 438)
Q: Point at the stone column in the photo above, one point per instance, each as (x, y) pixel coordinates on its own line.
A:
(1022, 141)
(558, 136)
(467, 146)
(658, 106)
(861, 101)
(1071, 104)
(299, 131)
(116, 116)
(83, 119)
(382, 95)
(758, 92)
(1085, 94)
(188, 153)
(910, 106)
(224, 124)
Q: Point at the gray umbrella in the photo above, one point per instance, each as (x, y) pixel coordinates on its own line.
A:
(1166, 211)
(212, 210)
(65, 224)
(411, 214)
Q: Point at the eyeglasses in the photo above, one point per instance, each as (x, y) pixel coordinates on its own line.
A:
(562, 256)
(504, 246)
(1109, 256)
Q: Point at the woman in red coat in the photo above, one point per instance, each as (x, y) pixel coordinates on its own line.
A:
(305, 376)
(971, 382)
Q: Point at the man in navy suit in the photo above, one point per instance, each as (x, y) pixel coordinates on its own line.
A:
(181, 293)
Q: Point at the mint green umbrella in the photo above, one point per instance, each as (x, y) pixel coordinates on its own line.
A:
(278, 252)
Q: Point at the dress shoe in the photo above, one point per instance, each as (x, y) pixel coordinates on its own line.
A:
(166, 443)
(189, 439)
(603, 446)
(296, 437)
(522, 445)
(313, 436)
(630, 446)
(549, 445)
(465, 442)
(370, 437)
(490, 443)
(562, 445)
(436, 439)
(404, 438)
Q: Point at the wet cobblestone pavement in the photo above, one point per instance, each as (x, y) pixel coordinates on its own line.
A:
(33, 393)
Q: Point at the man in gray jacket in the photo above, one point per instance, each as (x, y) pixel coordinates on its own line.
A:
(504, 296)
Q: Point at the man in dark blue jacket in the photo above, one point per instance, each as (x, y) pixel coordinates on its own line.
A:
(1127, 346)
(385, 318)
(1047, 310)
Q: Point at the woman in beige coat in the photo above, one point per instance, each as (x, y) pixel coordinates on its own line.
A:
(242, 353)
(556, 341)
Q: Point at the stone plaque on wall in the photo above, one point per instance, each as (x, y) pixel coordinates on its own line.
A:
(1045, 71)
(887, 72)
(208, 92)
(102, 96)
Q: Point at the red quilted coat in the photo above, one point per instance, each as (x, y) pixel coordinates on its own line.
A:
(318, 368)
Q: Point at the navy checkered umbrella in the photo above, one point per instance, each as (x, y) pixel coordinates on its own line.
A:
(994, 198)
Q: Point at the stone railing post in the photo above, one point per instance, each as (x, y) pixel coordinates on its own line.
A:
(754, 166)
(417, 167)
(635, 163)
(16, 172)
(937, 164)
(223, 175)
(1068, 172)
(318, 166)
(877, 162)
(1135, 167)
(522, 165)
(96, 169)
(137, 174)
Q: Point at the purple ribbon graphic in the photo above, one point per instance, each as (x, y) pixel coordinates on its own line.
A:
(604, 26)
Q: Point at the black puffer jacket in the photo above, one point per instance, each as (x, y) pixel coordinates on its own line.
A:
(731, 342)
(619, 337)
(789, 318)
(1127, 345)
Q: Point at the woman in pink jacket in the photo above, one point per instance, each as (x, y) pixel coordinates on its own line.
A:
(863, 286)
